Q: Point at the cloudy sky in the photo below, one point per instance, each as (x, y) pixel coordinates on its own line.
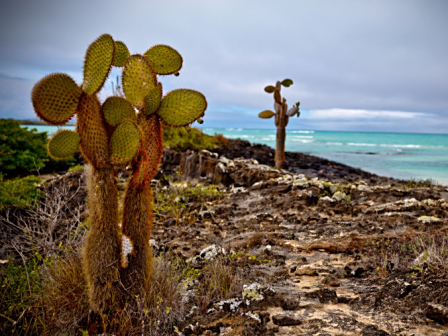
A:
(368, 65)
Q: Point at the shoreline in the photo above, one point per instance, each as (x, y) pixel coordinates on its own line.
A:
(308, 164)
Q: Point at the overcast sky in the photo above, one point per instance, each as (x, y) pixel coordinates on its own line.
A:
(367, 65)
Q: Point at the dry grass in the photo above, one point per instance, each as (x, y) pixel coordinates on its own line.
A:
(64, 297)
(53, 223)
(66, 305)
(220, 280)
(414, 253)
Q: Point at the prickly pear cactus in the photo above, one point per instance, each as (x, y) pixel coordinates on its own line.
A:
(281, 116)
(121, 131)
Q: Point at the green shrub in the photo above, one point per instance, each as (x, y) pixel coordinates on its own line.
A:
(184, 138)
(20, 192)
(21, 150)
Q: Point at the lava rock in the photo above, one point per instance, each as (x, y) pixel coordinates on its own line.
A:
(285, 320)
(327, 295)
(437, 313)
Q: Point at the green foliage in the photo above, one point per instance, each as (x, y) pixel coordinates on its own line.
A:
(181, 139)
(20, 192)
(21, 150)
(421, 183)
(171, 202)
(76, 168)
(20, 284)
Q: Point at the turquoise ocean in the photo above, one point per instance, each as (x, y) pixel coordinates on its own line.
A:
(399, 155)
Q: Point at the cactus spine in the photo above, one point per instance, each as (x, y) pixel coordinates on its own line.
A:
(281, 116)
(122, 131)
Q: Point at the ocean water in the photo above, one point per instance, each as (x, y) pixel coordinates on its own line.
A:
(399, 155)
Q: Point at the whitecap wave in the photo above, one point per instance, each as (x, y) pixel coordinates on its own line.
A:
(401, 146)
(361, 144)
(301, 140)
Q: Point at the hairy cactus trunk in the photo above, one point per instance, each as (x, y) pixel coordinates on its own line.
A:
(137, 223)
(137, 209)
(102, 246)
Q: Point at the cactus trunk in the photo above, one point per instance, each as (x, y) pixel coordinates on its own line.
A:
(137, 223)
(280, 147)
(137, 209)
(102, 246)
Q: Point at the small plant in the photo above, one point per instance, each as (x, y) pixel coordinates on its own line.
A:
(76, 168)
(281, 115)
(171, 201)
(421, 183)
(20, 284)
(219, 280)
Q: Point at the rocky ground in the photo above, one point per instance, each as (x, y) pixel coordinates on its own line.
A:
(333, 248)
(320, 248)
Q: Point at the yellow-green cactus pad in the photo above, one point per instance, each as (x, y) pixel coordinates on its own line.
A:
(138, 80)
(55, 98)
(116, 110)
(182, 107)
(125, 142)
(266, 114)
(152, 99)
(121, 54)
(164, 59)
(63, 144)
(92, 130)
(97, 63)
(287, 82)
(269, 89)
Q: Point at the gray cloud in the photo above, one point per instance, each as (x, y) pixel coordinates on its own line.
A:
(370, 55)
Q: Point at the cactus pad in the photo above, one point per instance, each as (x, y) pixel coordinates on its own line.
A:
(182, 107)
(125, 142)
(92, 129)
(269, 89)
(164, 59)
(152, 99)
(138, 80)
(266, 114)
(116, 110)
(97, 63)
(55, 98)
(292, 111)
(287, 82)
(63, 144)
(121, 54)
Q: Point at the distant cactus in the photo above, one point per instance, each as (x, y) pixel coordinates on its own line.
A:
(121, 131)
(281, 115)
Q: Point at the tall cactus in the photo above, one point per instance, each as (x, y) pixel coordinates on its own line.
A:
(281, 115)
(121, 131)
